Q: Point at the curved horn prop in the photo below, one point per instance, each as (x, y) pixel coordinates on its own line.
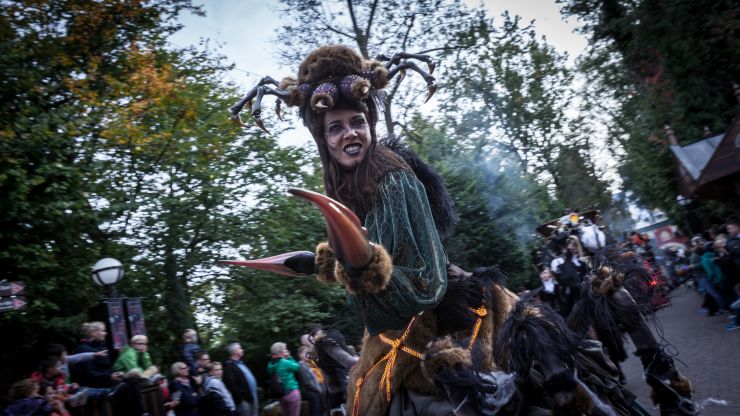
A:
(253, 101)
(346, 236)
(295, 263)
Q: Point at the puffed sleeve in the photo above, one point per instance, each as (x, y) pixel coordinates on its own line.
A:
(401, 221)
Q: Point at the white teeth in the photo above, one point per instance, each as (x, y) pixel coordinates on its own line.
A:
(352, 149)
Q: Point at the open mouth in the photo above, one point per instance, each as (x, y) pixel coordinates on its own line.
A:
(352, 149)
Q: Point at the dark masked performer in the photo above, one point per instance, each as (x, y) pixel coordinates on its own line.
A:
(439, 340)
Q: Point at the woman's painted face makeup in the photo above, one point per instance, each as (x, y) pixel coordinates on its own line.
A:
(347, 135)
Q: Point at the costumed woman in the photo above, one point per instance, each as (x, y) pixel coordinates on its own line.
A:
(438, 340)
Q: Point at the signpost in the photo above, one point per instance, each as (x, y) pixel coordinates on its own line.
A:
(11, 288)
(12, 304)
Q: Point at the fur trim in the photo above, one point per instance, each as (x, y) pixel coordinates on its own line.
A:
(569, 395)
(288, 82)
(325, 263)
(331, 61)
(407, 370)
(375, 276)
(682, 385)
(360, 89)
(377, 73)
(297, 96)
(575, 402)
(530, 331)
(327, 93)
(444, 353)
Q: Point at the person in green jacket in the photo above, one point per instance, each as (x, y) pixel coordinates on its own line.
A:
(286, 368)
(135, 356)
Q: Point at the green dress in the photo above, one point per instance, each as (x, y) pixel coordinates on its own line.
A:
(401, 221)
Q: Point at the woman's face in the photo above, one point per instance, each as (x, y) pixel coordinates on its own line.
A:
(99, 333)
(348, 136)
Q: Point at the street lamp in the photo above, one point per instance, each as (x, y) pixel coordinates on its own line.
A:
(107, 272)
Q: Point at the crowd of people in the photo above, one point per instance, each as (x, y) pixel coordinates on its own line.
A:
(196, 385)
(711, 263)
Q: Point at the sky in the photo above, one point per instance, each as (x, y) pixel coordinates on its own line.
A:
(245, 29)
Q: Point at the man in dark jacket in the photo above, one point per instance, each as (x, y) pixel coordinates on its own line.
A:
(241, 383)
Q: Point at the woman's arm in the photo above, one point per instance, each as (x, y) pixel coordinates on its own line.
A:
(402, 223)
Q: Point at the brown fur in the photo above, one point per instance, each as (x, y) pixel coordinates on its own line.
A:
(492, 323)
(357, 86)
(331, 61)
(681, 384)
(296, 97)
(326, 97)
(572, 403)
(381, 74)
(325, 263)
(406, 372)
(374, 278)
(444, 353)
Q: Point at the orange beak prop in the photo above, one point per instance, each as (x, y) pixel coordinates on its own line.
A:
(346, 235)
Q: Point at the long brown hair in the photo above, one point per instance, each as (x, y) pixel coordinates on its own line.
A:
(355, 188)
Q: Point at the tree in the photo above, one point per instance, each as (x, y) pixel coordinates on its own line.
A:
(499, 205)
(378, 27)
(50, 232)
(659, 62)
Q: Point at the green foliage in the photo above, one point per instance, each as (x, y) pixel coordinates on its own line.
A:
(499, 205)
(656, 62)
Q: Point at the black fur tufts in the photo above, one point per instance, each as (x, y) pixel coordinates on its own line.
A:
(464, 292)
(443, 211)
(531, 330)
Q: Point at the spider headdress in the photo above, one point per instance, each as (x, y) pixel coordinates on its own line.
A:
(329, 74)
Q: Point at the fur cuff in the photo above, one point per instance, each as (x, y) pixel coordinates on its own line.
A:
(569, 396)
(444, 353)
(375, 276)
(325, 263)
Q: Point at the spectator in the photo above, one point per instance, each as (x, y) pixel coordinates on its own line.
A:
(220, 402)
(55, 398)
(282, 364)
(189, 346)
(714, 275)
(334, 361)
(136, 357)
(25, 401)
(735, 308)
(183, 391)
(60, 351)
(241, 383)
(700, 276)
(310, 387)
(50, 374)
(201, 363)
(97, 375)
(727, 266)
(733, 242)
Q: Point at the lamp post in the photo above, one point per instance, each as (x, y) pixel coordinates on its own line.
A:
(107, 272)
(685, 202)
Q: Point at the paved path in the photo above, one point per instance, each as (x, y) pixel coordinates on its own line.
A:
(711, 354)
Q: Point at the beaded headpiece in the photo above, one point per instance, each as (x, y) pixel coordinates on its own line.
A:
(330, 74)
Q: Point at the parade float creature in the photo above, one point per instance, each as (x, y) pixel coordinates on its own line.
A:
(438, 340)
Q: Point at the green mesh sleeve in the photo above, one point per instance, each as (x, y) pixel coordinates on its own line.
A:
(402, 222)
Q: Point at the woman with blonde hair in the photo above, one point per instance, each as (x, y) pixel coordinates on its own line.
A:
(285, 368)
